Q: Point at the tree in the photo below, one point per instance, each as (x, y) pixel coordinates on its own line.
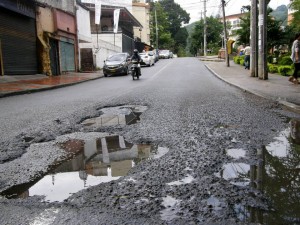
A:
(164, 38)
(170, 17)
(275, 34)
(214, 30)
(295, 5)
(176, 15)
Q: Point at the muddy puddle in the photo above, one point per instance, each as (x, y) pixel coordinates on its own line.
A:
(120, 115)
(96, 161)
(277, 175)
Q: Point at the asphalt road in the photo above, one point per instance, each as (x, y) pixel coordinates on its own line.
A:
(191, 113)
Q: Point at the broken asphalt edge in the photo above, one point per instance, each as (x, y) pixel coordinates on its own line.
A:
(293, 107)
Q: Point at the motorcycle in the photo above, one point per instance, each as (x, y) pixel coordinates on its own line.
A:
(135, 69)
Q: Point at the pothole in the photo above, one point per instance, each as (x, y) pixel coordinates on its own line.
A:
(276, 175)
(97, 160)
(120, 115)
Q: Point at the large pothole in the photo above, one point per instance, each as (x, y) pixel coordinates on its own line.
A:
(97, 159)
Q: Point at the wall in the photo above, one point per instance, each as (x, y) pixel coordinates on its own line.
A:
(142, 14)
(64, 22)
(65, 5)
(83, 25)
(102, 49)
(46, 19)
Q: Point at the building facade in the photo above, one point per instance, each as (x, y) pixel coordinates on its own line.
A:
(142, 13)
(18, 52)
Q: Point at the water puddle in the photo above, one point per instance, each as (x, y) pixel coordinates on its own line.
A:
(120, 115)
(276, 174)
(171, 208)
(98, 160)
(188, 179)
(236, 153)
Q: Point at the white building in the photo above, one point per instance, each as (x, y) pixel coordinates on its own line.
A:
(141, 11)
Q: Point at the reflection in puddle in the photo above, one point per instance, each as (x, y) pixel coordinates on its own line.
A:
(188, 179)
(121, 115)
(236, 153)
(99, 160)
(277, 175)
(214, 203)
(171, 208)
(233, 171)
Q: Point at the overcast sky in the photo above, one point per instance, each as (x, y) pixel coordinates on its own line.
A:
(195, 7)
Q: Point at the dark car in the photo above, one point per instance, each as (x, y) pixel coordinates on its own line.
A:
(118, 63)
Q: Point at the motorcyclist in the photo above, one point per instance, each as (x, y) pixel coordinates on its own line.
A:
(138, 58)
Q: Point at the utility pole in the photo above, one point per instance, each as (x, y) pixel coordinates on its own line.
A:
(262, 40)
(156, 29)
(204, 21)
(253, 40)
(225, 34)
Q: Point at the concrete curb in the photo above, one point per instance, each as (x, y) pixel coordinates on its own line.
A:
(44, 88)
(286, 104)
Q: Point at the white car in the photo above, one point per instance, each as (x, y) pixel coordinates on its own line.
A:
(148, 58)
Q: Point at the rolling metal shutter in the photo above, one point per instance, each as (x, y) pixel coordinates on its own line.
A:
(18, 39)
(67, 59)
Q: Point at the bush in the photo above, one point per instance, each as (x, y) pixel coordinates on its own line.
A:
(285, 70)
(272, 68)
(237, 59)
(242, 62)
(285, 60)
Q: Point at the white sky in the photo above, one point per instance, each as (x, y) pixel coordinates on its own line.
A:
(195, 7)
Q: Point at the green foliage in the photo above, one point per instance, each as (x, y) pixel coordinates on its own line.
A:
(164, 36)
(170, 17)
(176, 16)
(284, 70)
(243, 33)
(238, 59)
(285, 60)
(295, 23)
(181, 52)
(213, 37)
(275, 34)
(272, 68)
(242, 62)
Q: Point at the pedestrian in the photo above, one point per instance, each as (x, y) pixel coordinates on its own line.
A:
(247, 52)
(296, 59)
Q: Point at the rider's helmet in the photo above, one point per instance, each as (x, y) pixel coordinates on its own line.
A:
(135, 51)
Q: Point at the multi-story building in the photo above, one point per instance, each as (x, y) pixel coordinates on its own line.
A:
(142, 12)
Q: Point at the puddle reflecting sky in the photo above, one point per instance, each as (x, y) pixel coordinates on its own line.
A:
(277, 175)
(100, 160)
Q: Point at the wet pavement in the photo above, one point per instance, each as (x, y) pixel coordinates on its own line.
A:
(23, 84)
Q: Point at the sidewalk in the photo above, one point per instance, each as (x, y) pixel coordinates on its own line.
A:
(276, 88)
(22, 84)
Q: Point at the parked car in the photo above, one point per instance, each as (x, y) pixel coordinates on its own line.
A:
(118, 63)
(148, 58)
(164, 54)
(156, 56)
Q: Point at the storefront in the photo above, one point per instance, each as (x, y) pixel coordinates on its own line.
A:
(18, 37)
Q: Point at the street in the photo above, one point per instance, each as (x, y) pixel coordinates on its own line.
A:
(178, 146)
